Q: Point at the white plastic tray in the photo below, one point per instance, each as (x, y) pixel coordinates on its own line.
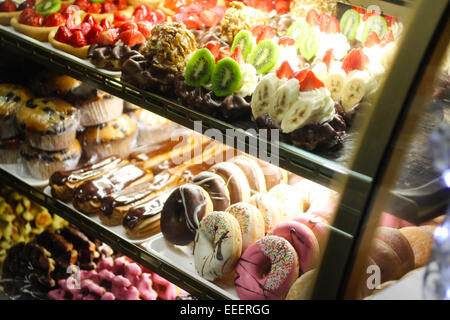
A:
(20, 172)
(118, 230)
(181, 257)
(87, 63)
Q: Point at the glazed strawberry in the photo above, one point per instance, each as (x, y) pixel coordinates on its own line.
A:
(328, 57)
(237, 55)
(63, 34)
(105, 24)
(82, 4)
(37, 20)
(91, 20)
(145, 28)
(28, 12)
(388, 37)
(77, 39)
(94, 8)
(69, 11)
(160, 16)
(129, 25)
(209, 18)
(286, 41)
(266, 33)
(282, 6)
(355, 60)
(93, 34)
(131, 37)
(214, 48)
(263, 5)
(151, 17)
(333, 25)
(108, 37)
(71, 21)
(193, 23)
(54, 19)
(311, 82)
(313, 18)
(121, 4)
(323, 21)
(141, 12)
(8, 6)
(120, 17)
(84, 27)
(359, 10)
(368, 14)
(372, 40)
(285, 71)
(108, 7)
(224, 52)
(257, 30)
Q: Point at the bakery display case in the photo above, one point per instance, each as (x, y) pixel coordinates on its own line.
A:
(254, 129)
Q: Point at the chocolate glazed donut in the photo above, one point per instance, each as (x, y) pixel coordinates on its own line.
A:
(182, 213)
(253, 171)
(216, 188)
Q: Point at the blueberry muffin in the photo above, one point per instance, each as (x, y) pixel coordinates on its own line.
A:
(42, 164)
(48, 123)
(11, 98)
(116, 137)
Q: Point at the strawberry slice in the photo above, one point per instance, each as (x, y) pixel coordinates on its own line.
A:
(300, 75)
(372, 40)
(214, 48)
(388, 37)
(77, 39)
(37, 20)
(91, 20)
(92, 36)
(266, 33)
(24, 16)
(282, 6)
(359, 10)
(324, 21)
(120, 17)
(390, 20)
(237, 55)
(313, 18)
(328, 57)
(105, 24)
(128, 25)
(257, 30)
(131, 37)
(355, 60)
(7, 6)
(286, 41)
(285, 71)
(108, 37)
(121, 4)
(333, 26)
(85, 27)
(264, 5)
(368, 14)
(145, 28)
(108, 7)
(54, 19)
(160, 16)
(209, 18)
(94, 8)
(224, 52)
(193, 22)
(63, 34)
(141, 12)
(310, 82)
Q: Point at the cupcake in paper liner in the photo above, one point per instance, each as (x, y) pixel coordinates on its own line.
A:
(11, 98)
(42, 164)
(116, 137)
(48, 123)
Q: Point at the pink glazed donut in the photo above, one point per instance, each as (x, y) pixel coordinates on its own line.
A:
(303, 240)
(266, 270)
(318, 226)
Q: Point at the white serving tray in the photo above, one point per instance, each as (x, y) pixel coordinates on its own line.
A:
(19, 171)
(118, 230)
(86, 62)
(181, 257)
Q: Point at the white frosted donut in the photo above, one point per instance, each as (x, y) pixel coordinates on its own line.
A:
(317, 199)
(250, 220)
(269, 207)
(291, 203)
(217, 246)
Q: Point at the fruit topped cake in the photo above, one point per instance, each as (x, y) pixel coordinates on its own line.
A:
(9, 9)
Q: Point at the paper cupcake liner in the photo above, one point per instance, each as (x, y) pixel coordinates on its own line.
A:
(100, 111)
(8, 128)
(121, 148)
(9, 155)
(51, 142)
(39, 169)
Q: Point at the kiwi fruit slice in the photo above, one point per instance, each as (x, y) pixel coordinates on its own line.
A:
(377, 24)
(310, 45)
(350, 21)
(226, 78)
(48, 7)
(264, 56)
(298, 29)
(97, 1)
(243, 39)
(199, 68)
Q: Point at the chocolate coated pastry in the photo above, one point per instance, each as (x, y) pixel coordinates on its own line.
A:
(208, 34)
(182, 213)
(216, 188)
(111, 57)
(235, 107)
(61, 250)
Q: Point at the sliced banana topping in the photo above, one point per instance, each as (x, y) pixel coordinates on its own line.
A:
(354, 89)
(335, 82)
(285, 96)
(264, 94)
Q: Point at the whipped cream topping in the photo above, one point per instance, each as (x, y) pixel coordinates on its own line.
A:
(336, 41)
(250, 80)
